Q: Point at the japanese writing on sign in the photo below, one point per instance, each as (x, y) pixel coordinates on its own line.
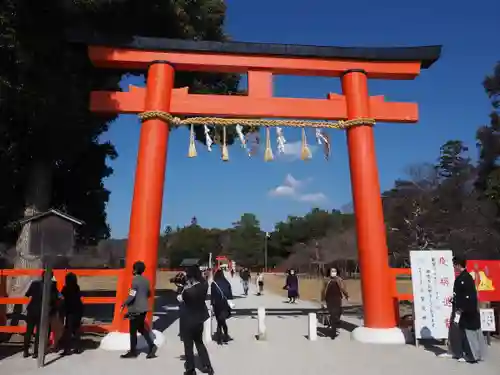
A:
(432, 282)
(488, 320)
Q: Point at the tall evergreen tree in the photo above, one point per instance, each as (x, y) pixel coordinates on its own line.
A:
(50, 149)
(488, 138)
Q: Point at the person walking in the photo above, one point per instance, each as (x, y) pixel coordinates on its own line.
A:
(260, 283)
(221, 293)
(245, 279)
(194, 313)
(73, 313)
(34, 312)
(292, 286)
(466, 342)
(137, 308)
(333, 291)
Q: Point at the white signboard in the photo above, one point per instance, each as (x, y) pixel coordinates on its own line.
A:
(488, 320)
(432, 280)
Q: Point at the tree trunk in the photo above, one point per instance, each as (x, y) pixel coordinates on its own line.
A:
(38, 198)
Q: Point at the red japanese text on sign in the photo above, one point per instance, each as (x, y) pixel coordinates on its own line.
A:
(444, 281)
(447, 301)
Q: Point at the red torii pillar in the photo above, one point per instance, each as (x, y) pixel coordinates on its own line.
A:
(379, 315)
(145, 216)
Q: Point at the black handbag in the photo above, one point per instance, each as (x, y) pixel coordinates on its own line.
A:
(324, 318)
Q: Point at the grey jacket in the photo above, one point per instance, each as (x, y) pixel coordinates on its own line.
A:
(137, 301)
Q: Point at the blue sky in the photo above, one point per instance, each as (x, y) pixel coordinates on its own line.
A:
(451, 101)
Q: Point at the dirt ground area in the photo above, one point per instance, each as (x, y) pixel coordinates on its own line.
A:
(310, 288)
(98, 283)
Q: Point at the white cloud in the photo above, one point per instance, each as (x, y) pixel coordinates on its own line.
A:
(293, 182)
(289, 188)
(282, 191)
(312, 197)
(292, 151)
(293, 189)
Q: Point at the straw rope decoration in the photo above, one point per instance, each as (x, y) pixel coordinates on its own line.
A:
(222, 121)
(254, 124)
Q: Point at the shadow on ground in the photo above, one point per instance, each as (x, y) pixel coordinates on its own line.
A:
(88, 342)
(15, 346)
(328, 332)
(166, 309)
(197, 362)
(8, 349)
(437, 347)
(11, 344)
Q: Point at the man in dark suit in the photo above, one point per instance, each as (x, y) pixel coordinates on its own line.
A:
(466, 341)
(34, 312)
(194, 312)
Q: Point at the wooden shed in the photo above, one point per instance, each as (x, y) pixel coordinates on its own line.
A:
(52, 233)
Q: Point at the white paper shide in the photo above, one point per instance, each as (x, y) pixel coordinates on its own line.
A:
(432, 281)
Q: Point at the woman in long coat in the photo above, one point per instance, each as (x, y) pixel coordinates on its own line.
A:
(292, 286)
(73, 313)
(221, 293)
(333, 292)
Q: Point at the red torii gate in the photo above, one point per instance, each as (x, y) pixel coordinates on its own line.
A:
(159, 100)
(220, 259)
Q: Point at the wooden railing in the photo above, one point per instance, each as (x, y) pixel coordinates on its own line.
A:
(60, 276)
(395, 273)
(396, 295)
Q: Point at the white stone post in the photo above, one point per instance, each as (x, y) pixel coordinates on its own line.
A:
(312, 327)
(261, 323)
(207, 330)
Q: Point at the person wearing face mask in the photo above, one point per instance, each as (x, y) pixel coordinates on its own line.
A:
(333, 291)
(292, 286)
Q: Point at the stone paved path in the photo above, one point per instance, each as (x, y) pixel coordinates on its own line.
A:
(286, 352)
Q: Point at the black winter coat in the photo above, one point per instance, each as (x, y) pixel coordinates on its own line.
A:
(465, 301)
(193, 309)
(220, 293)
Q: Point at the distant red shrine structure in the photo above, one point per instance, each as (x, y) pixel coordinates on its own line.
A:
(222, 261)
(161, 58)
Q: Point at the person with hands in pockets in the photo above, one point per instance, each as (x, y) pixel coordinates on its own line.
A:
(137, 305)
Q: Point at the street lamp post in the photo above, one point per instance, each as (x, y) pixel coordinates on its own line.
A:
(265, 251)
